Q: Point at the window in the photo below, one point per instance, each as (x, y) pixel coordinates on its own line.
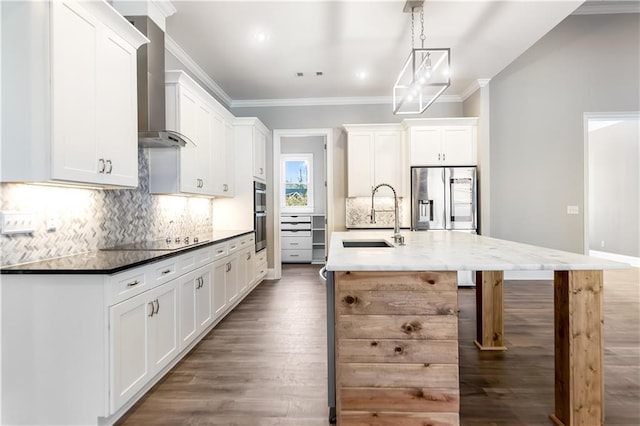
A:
(297, 183)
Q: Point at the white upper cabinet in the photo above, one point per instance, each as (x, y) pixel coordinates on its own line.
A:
(259, 153)
(442, 142)
(202, 167)
(69, 74)
(375, 156)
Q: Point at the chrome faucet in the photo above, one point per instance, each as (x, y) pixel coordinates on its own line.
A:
(397, 238)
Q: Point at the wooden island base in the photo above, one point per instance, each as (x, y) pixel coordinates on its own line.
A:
(397, 348)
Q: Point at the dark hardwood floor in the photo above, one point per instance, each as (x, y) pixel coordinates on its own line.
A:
(265, 363)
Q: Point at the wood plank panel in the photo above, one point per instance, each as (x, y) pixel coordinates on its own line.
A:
(401, 280)
(490, 310)
(351, 418)
(398, 375)
(363, 302)
(579, 390)
(435, 327)
(410, 399)
(398, 351)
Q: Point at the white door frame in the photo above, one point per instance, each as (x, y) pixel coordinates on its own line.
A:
(621, 115)
(278, 134)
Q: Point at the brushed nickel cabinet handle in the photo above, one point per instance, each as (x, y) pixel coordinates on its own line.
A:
(248, 256)
(133, 283)
(110, 167)
(152, 308)
(101, 165)
(166, 271)
(157, 306)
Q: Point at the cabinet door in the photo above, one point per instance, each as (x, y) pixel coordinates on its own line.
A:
(219, 158)
(229, 188)
(231, 280)
(204, 139)
(188, 323)
(259, 153)
(163, 325)
(74, 34)
(129, 339)
(458, 146)
(425, 146)
(117, 110)
(188, 110)
(219, 287)
(360, 164)
(204, 296)
(387, 162)
(246, 269)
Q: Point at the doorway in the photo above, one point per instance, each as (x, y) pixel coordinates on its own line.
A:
(296, 144)
(612, 186)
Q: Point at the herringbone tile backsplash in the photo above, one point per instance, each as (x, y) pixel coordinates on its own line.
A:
(87, 220)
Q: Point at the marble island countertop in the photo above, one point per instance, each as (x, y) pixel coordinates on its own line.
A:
(113, 261)
(449, 251)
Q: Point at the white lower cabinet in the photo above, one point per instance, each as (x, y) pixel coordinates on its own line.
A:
(196, 309)
(144, 339)
(246, 270)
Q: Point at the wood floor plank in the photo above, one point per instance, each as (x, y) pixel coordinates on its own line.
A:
(270, 351)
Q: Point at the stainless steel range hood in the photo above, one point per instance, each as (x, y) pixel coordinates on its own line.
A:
(152, 132)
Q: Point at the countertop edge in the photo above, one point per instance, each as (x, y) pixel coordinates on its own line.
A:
(21, 269)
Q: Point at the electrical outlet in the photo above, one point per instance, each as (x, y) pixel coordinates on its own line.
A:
(52, 222)
(16, 222)
(573, 210)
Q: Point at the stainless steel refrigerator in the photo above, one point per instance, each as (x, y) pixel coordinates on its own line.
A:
(443, 198)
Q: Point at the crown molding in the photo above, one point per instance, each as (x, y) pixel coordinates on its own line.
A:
(607, 7)
(157, 10)
(471, 89)
(368, 100)
(172, 47)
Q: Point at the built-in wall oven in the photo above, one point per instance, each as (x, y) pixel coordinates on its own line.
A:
(260, 214)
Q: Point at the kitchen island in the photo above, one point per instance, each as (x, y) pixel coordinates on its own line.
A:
(393, 329)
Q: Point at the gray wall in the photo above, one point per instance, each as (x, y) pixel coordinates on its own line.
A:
(614, 189)
(471, 105)
(310, 145)
(586, 64)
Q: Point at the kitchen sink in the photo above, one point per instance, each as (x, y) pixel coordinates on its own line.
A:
(366, 243)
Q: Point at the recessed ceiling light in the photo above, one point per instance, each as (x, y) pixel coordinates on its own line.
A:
(260, 36)
(361, 75)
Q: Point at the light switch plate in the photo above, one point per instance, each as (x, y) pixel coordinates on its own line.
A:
(573, 210)
(16, 222)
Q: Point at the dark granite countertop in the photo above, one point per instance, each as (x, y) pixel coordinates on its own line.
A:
(113, 261)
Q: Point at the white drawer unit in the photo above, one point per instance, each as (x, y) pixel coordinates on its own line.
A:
(295, 243)
(296, 256)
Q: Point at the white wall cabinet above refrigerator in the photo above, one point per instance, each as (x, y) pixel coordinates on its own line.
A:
(202, 167)
(442, 141)
(69, 94)
(375, 155)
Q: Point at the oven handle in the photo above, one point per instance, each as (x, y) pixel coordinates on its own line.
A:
(261, 214)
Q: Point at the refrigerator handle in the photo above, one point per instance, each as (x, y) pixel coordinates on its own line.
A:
(430, 210)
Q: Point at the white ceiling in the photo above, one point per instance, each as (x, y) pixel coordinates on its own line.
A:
(342, 38)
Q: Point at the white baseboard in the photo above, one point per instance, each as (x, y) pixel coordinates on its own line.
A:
(271, 274)
(633, 261)
(528, 275)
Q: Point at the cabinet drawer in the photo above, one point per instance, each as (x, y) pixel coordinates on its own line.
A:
(128, 284)
(294, 226)
(261, 257)
(292, 256)
(295, 219)
(245, 242)
(163, 271)
(296, 243)
(194, 259)
(219, 251)
(234, 245)
(289, 233)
